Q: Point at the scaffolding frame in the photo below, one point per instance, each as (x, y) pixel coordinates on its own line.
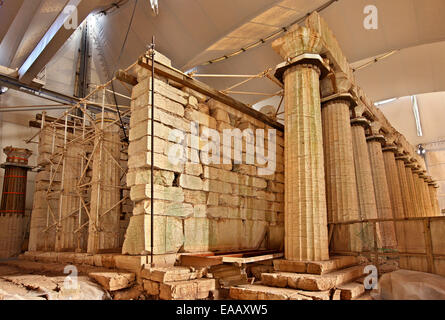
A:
(85, 130)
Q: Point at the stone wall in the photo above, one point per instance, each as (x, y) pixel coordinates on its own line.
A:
(199, 206)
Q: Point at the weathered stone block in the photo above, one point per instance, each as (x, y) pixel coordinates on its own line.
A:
(143, 191)
(164, 208)
(113, 281)
(190, 182)
(168, 235)
(196, 232)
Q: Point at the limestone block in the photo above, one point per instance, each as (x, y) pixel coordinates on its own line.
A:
(259, 292)
(113, 281)
(202, 118)
(200, 211)
(151, 287)
(144, 144)
(203, 108)
(220, 115)
(141, 107)
(213, 199)
(221, 126)
(164, 208)
(190, 182)
(171, 274)
(199, 96)
(144, 129)
(187, 290)
(196, 231)
(223, 212)
(142, 191)
(143, 160)
(143, 176)
(229, 200)
(193, 102)
(217, 186)
(195, 197)
(168, 235)
(194, 169)
(162, 88)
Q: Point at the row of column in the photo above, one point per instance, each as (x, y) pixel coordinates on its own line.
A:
(338, 169)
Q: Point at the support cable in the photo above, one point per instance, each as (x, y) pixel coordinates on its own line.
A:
(271, 36)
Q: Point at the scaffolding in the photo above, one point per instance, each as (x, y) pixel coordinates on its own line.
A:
(85, 146)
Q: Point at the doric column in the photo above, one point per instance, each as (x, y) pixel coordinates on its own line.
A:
(13, 201)
(429, 211)
(418, 186)
(412, 186)
(392, 176)
(406, 187)
(363, 173)
(383, 200)
(305, 197)
(432, 188)
(341, 185)
(103, 232)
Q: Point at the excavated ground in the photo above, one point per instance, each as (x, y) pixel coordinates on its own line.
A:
(28, 280)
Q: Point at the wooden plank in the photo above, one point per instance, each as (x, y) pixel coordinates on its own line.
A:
(252, 259)
(201, 87)
(200, 261)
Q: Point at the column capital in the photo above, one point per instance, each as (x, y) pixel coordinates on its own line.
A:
(336, 83)
(404, 158)
(302, 40)
(431, 181)
(410, 165)
(302, 46)
(345, 97)
(309, 60)
(390, 148)
(375, 133)
(378, 138)
(375, 128)
(17, 157)
(360, 121)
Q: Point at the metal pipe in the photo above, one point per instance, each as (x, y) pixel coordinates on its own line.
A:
(152, 147)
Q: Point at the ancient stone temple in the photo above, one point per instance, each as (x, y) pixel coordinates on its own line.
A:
(178, 180)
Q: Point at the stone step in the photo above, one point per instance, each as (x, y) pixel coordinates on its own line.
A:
(352, 290)
(186, 290)
(311, 282)
(315, 267)
(262, 292)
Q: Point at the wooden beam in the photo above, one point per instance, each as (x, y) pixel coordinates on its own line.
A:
(126, 77)
(252, 259)
(178, 76)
